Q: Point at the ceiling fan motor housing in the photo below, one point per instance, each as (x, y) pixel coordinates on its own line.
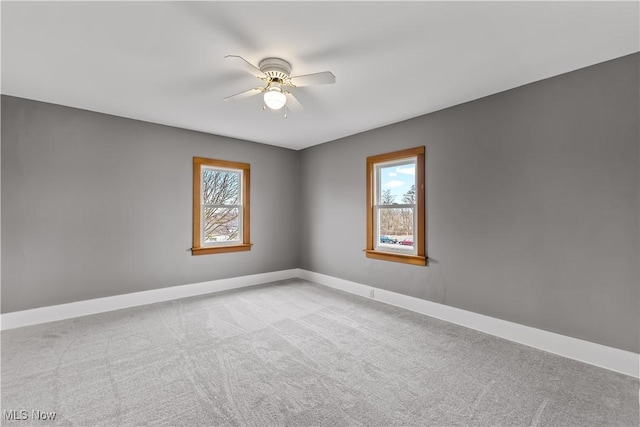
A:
(275, 68)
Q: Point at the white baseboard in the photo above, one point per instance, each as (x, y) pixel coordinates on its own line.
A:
(52, 313)
(614, 359)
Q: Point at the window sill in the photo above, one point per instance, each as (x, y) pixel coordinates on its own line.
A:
(396, 257)
(221, 249)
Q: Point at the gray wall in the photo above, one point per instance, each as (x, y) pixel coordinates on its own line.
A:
(96, 205)
(532, 205)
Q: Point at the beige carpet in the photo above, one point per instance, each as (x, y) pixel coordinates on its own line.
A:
(294, 353)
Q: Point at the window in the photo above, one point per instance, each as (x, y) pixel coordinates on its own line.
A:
(395, 207)
(220, 206)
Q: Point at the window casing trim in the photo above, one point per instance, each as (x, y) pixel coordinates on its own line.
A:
(372, 250)
(245, 243)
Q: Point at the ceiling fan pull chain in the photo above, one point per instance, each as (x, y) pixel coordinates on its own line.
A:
(285, 112)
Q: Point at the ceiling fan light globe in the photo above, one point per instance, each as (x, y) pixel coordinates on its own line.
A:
(274, 99)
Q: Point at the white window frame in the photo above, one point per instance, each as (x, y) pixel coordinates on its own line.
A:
(204, 205)
(378, 206)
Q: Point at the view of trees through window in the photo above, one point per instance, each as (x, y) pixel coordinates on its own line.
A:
(396, 204)
(397, 221)
(220, 205)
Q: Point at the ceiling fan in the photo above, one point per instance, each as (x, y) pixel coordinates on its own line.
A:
(275, 72)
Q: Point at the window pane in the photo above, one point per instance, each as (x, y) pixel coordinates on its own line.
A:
(395, 227)
(221, 224)
(397, 183)
(220, 187)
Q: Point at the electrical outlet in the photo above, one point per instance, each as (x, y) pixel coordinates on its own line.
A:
(371, 293)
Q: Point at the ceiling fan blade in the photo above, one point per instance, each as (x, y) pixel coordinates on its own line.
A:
(243, 95)
(293, 104)
(248, 66)
(323, 78)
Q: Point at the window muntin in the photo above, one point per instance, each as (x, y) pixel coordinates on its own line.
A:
(220, 206)
(395, 206)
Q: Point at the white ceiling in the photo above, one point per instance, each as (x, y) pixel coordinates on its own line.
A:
(163, 62)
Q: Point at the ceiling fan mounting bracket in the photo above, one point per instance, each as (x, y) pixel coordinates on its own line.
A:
(275, 68)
